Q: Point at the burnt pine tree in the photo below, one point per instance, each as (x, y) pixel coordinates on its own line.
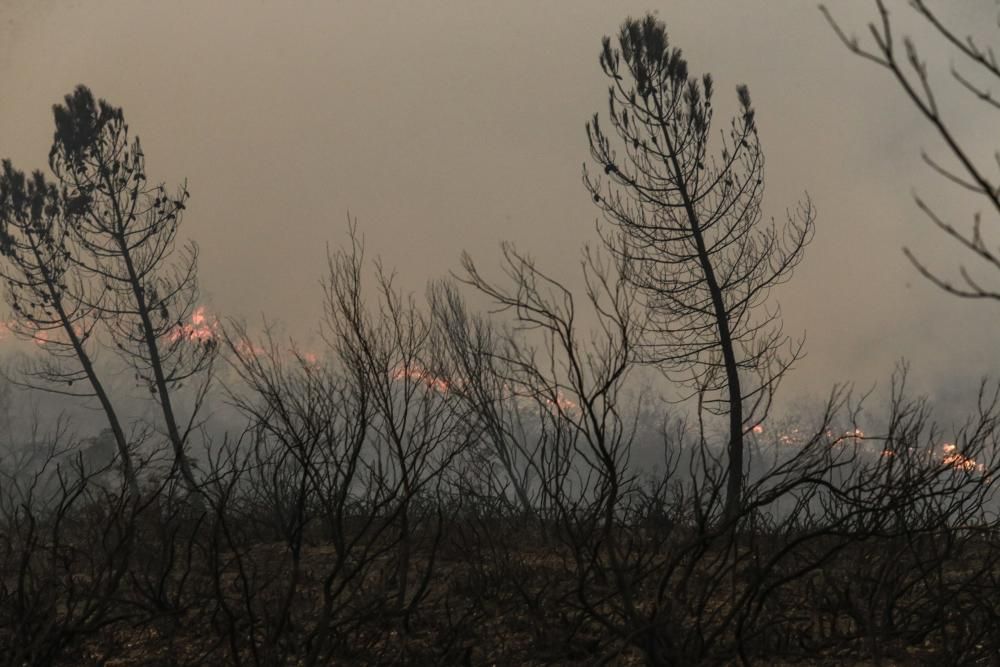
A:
(50, 301)
(92, 261)
(123, 238)
(687, 225)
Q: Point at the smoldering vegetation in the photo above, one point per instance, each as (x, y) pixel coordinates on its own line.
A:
(439, 487)
(482, 474)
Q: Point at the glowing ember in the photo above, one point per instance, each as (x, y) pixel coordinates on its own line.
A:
(441, 385)
(199, 329)
(792, 437)
(41, 337)
(795, 435)
(420, 375)
(562, 403)
(953, 458)
(246, 348)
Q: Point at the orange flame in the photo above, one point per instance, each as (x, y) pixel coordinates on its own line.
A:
(562, 402)
(420, 374)
(199, 329)
(441, 385)
(955, 459)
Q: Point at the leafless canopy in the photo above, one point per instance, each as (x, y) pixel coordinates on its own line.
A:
(688, 228)
(92, 262)
(974, 68)
(689, 223)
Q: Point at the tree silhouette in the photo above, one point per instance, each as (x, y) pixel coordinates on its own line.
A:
(38, 273)
(974, 67)
(689, 230)
(94, 257)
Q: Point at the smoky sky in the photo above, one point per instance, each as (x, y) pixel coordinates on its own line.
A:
(450, 126)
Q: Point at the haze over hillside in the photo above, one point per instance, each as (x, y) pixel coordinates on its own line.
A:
(451, 126)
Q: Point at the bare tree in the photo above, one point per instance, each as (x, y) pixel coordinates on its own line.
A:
(419, 428)
(65, 550)
(95, 258)
(505, 465)
(973, 68)
(38, 272)
(575, 379)
(689, 230)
